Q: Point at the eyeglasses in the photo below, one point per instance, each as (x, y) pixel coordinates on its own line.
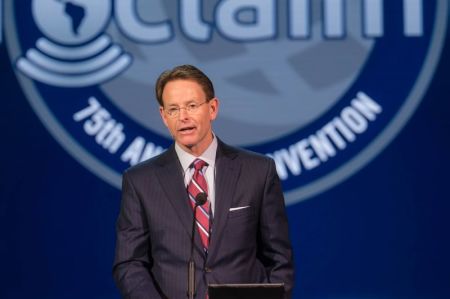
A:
(190, 108)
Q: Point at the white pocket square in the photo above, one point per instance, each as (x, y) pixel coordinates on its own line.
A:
(238, 208)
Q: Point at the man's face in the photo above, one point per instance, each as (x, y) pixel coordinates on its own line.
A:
(191, 130)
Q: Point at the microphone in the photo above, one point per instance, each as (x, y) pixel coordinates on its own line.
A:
(200, 199)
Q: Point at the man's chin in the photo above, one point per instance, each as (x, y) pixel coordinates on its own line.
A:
(186, 143)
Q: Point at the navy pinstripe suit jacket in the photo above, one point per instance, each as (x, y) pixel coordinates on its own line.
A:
(247, 245)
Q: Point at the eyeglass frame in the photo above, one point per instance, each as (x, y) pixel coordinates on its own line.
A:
(190, 109)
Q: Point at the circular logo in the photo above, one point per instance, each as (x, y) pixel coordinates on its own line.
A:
(319, 86)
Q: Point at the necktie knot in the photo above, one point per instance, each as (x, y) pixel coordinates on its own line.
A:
(198, 164)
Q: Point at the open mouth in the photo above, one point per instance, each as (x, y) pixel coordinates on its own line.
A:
(186, 130)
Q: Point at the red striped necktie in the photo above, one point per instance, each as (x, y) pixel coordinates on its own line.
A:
(198, 185)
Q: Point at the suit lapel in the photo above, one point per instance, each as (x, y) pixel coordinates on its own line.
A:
(227, 174)
(171, 179)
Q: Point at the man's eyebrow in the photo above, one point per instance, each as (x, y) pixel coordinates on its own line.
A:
(193, 101)
(171, 104)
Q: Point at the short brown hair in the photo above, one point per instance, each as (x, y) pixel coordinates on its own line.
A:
(184, 72)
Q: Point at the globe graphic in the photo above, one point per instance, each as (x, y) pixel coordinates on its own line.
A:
(71, 22)
(267, 89)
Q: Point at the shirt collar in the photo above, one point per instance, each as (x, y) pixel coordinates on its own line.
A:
(209, 155)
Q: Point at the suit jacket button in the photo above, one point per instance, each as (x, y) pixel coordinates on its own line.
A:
(208, 270)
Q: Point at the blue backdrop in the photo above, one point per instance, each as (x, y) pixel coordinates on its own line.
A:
(382, 233)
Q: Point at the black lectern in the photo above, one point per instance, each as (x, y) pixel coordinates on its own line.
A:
(246, 291)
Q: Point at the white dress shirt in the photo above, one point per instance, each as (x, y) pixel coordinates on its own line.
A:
(209, 156)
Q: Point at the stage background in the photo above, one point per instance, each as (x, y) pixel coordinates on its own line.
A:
(382, 233)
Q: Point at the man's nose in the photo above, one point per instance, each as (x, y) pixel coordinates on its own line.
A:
(183, 114)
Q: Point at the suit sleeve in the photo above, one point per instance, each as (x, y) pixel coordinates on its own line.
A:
(275, 247)
(132, 264)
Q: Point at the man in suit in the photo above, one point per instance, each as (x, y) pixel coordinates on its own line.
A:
(242, 229)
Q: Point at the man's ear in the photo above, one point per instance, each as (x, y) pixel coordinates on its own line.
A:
(163, 115)
(213, 108)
